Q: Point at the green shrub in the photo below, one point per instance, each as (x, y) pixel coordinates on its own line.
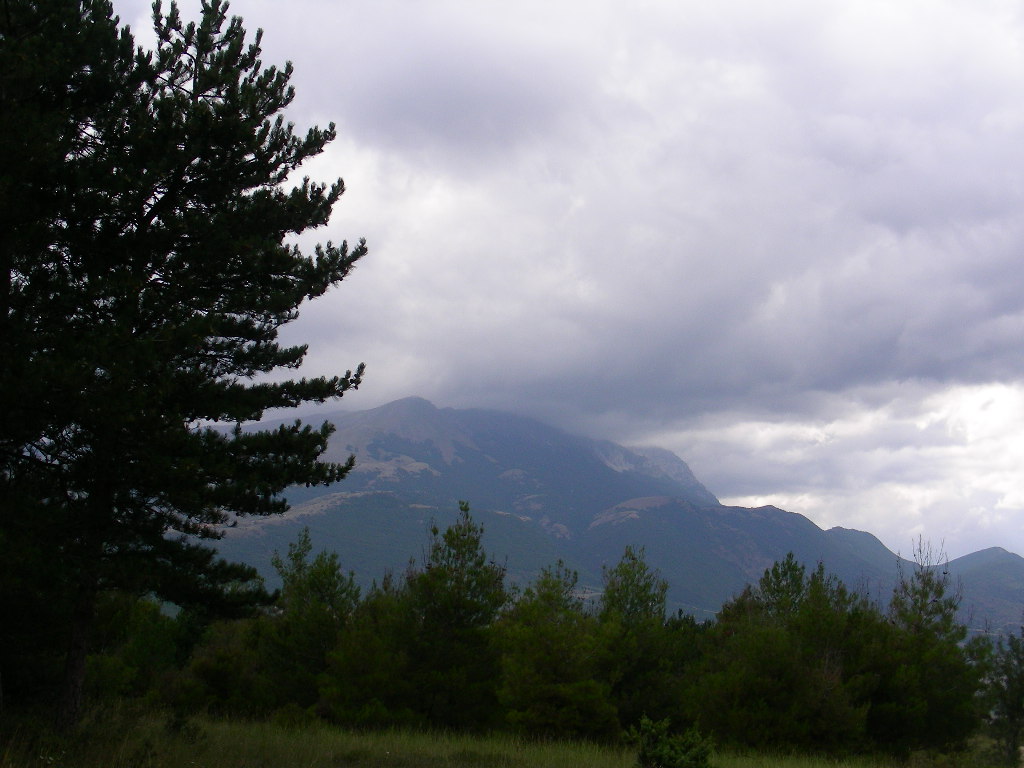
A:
(660, 748)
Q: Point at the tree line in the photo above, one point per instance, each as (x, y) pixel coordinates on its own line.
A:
(796, 662)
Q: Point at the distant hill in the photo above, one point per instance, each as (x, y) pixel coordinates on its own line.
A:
(543, 495)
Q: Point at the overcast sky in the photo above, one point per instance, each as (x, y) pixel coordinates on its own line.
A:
(785, 240)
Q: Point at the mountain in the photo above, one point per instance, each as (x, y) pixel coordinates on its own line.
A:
(991, 582)
(544, 495)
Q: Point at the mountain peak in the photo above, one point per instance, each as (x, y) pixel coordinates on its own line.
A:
(547, 495)
(985, 558)
(505, 462)
(674, 467)
(413, 420)
(654, 463)
(407, 406)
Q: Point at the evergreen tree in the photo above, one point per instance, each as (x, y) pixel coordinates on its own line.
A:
(136, 648)
(144, 276)
(551, 652)
(423, 651)
(633, 594)
(928, 684)
(1006, 696)
(799, 662)
(62, 65)
(785, 665)
(305, 625)
(275, 661)
(638, 666)
(747, 690)
(226, 673)
(370, 680)
(782, 588)
(455, 599)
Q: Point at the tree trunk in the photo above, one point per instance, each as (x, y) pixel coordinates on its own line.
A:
(69, 709)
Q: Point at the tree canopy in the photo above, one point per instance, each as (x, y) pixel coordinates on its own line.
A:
(146, 268)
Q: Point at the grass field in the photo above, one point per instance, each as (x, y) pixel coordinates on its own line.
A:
(152, 743)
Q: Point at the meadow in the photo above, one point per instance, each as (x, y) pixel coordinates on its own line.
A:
(151, 742)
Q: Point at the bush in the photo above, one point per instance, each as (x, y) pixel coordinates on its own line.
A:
(659, 748)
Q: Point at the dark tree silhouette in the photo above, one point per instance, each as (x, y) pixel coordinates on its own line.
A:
(144, 276)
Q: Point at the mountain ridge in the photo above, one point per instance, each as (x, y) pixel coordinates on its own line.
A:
(544, 495)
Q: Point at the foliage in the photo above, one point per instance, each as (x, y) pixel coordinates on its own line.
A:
(783, 587)
(306, 622)
(368, 681)
(925, 603)
(551, 651)
(458, 587)
(1006, 696)
(273, 662)
(751, 688)
(659, 748)
(60, 63)
(830, 674)
(633, 594)
(137, 647)
(639, 651)
(455, 599)
(224, 674)
(800, 662)
(30, 651)
(143, 280)
(423, 651)
(318, 587)
(927, 690)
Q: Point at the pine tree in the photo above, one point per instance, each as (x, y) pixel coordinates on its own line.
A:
(551, 650)
(316, 602)
(144, 276)
(631, 611)
(789, 664)
(455, 599)
(927, 694)
(1005, 689)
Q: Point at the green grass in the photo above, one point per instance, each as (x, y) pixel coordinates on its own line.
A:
(150, 743)
(124, 742)
(778, 761)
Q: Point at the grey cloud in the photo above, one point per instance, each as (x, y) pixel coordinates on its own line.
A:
(650, 218)
(454, 86)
